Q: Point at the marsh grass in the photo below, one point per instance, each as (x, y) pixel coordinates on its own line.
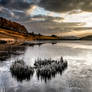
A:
(21, 71)
(45, 69)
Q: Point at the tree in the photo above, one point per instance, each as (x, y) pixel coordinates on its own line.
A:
(53, 35)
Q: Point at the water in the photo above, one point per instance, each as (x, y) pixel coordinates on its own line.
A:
(76, 78)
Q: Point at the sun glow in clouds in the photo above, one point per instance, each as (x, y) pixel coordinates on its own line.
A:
(84, 17)
(31, 9)
(36, 10)
(77, 33)
(71, 16)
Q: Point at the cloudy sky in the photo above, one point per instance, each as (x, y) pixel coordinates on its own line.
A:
(50, 16)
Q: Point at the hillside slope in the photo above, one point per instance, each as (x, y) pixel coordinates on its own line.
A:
(13, 26)
(15, 32)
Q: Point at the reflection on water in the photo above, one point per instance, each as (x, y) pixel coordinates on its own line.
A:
(7, 50)
(76, 78)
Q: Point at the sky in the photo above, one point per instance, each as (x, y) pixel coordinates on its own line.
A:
(55, 16)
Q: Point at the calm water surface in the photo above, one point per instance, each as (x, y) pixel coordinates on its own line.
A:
(76, 78)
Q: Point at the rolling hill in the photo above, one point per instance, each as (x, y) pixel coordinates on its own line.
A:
(15, 32)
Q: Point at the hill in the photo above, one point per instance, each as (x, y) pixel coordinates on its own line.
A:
(13, 32)
(13, 26)
(69, 38)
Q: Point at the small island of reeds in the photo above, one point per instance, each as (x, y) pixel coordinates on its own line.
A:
(45, 69)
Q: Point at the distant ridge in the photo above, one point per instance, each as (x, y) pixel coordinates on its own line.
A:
(13, 26)
(69, 38)
(89, 37)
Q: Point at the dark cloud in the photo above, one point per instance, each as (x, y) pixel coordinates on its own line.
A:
(66, 5)
(51, 5)
(17, 4)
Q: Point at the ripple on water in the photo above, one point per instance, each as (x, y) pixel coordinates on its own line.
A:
(76, 78)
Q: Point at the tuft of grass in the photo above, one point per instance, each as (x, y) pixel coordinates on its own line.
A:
(21, 71)
(47, 68)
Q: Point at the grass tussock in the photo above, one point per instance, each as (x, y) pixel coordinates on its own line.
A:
(21, 71)
(46, 69)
